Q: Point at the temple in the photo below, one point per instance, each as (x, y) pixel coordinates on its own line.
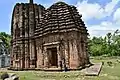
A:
(48, 38)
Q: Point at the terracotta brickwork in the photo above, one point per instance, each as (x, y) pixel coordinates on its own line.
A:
(42, 38)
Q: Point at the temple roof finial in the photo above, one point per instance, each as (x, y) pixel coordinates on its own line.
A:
(31, 1)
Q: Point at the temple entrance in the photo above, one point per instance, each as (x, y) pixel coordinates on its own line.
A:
(52, 57)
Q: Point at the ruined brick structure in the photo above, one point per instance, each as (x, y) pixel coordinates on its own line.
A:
(42, 38)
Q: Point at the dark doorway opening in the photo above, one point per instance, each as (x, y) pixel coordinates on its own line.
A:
(52, 54)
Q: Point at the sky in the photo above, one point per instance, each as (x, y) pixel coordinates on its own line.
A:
(100, 16)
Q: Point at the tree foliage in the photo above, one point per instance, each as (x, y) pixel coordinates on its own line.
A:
(108, 45)
(6, 38)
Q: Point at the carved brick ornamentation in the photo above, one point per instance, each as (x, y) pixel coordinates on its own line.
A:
(41, 38)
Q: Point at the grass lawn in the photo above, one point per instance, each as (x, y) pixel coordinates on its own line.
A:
(107, 72)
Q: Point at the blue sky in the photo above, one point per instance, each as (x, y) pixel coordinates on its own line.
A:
(100, 16)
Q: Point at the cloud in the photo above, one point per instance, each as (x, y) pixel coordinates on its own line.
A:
(116, 16)
(94, 10)
(97, 11)
(102, 29)
(110, 6)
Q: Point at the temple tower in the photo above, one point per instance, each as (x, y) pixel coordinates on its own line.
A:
(31, 1)
(45, 38)
(24, 21)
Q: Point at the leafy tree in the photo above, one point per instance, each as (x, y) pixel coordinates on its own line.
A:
(6, 38)
(109, 45)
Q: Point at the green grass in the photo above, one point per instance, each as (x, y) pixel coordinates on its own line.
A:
(107, 72)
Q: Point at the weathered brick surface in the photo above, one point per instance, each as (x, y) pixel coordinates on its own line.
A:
(36, 31)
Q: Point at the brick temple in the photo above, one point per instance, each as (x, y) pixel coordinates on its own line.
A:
(48, 38)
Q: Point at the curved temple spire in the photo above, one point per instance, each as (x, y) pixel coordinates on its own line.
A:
(31, 1)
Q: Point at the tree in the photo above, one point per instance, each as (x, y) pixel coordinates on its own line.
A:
(109, 45)
(6, 38)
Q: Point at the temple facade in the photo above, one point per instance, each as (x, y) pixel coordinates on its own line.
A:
(48, 38)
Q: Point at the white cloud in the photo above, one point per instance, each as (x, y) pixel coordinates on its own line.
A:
(116, 16)
(94, 10)
(88, 10)
(110, 6)
(102, 29)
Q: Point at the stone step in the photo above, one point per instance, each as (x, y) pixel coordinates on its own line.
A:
(93, 70)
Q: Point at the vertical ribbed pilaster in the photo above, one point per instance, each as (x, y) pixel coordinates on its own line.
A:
(24, 20)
